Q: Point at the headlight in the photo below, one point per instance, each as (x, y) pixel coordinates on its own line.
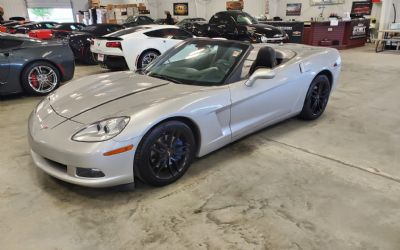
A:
(102, 130)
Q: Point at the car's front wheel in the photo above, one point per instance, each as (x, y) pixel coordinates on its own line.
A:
(317, 98)
(165, 153)
(40, 78)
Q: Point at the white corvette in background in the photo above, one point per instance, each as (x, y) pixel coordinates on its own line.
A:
(136, 47)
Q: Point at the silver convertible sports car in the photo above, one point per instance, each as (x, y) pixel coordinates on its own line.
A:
(104, 130)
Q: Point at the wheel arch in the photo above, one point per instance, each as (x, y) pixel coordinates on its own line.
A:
(144, 51)
(189, 122)
(328, 74)
(60, 71)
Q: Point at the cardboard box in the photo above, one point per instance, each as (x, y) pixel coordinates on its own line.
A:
(132, 11)
(112, 21)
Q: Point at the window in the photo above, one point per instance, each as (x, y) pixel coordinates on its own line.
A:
(61, 15)
(74, 27)
(176, 34)
(9, 44)
(245, 19)
(155, 33)
(216, 19)
(127, 31)
(145, 20)
(170, 34)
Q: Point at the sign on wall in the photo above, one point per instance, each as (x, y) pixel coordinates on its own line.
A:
(325, 2)
(294, 30)
(181, 9)
(235, 5)
(359, 30)
(293, 9)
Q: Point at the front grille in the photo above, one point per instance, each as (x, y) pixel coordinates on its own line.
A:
(57, 165)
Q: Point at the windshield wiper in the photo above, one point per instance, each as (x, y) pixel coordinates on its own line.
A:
(165, 78)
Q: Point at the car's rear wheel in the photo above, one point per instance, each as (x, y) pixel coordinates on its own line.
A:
(40, 78)
(165, 153)
(317, 98)
(89, 58)
(146, 58)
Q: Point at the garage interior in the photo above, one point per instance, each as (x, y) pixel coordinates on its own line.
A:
(332, 183)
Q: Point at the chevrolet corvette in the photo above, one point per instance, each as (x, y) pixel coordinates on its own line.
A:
(105, 130)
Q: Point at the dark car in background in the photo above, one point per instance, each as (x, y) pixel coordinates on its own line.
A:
(163, 21)
(25, 28)
(239, 25)
(79, 41)
(138, 20)
(59, 31)
(196, 26)
(190, 21)
(33, 66)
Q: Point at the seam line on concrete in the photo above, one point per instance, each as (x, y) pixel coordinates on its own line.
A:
(364, 169)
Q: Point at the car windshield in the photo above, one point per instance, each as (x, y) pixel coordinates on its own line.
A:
(199, 62)
(245, 19)
(188, 20)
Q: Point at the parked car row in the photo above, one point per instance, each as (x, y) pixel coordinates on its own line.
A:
(132, 46)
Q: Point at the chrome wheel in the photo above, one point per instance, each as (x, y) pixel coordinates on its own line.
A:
(148, 58)
(42, 79)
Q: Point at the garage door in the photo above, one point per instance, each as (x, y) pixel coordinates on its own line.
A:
(54, 10)
(48, 4)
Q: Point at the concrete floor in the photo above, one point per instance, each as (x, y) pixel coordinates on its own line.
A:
(329, 184)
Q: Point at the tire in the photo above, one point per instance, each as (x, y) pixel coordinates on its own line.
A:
(146, 58)
(316, 99)
(89, 58)
(40, 78)
(165, 153)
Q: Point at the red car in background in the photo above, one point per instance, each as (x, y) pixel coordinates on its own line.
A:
(59, 31)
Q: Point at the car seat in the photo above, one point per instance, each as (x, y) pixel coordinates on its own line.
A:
(266, 58)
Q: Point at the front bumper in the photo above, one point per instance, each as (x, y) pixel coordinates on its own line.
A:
(55, 153)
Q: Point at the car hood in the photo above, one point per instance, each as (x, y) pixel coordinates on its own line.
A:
(91, 92)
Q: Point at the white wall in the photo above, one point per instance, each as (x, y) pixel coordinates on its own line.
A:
(207, 8)
(13, 8)
(308, 11)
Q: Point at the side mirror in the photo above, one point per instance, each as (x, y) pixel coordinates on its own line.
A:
(260, 74)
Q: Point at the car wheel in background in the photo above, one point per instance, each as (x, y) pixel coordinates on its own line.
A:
(40, 78)
(165, 153)
(317, 98)
(146, 58)
(89, 58)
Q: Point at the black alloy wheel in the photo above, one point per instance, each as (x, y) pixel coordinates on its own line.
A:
(165, 153)
(317, 98)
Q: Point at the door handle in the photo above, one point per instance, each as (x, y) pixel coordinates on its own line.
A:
(6, 54)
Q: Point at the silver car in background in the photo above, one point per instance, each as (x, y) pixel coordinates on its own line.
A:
(104, 130)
